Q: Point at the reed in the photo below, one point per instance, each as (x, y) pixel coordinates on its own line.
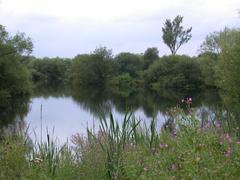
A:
(185, 148)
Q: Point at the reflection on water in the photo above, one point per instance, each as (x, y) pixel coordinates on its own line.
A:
(69, 112)
(12, 115)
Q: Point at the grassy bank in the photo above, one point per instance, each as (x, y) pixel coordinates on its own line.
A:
(185, 148)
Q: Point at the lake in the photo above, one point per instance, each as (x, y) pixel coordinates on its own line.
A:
(67, 112)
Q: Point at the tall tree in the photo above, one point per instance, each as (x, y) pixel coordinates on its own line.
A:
(174, 36)
(14, 75)
(19, 44)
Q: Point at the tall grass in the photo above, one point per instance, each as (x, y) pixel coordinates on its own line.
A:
(50, 157)
(115, 139)
(185, 148)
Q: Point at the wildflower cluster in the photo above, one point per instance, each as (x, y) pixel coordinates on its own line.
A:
(227, 139)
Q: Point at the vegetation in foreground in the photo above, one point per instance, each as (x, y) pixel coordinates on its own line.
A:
(185, 148)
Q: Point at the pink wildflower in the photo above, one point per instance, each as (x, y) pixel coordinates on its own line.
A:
(163, 146)
(228, 138)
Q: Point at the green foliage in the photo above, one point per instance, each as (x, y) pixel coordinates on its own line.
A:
(228, 67)
(50, 71)
(211, 44)
(207, 63)
(93, 69)
(14, 75)
(215, 42)
(16, 45)
(129, 63)
(103, 53)
(114, 141)
(180, 72)
(174, 36)
(123, 85)
(89, 154)
(150, 55)
(225, 68)
(51, 160)
(13, 163)
(192, 149)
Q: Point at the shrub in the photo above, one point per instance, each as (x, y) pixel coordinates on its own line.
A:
(181, 72)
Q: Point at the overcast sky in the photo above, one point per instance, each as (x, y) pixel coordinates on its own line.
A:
(66, 28)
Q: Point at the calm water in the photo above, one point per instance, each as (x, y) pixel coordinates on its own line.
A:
(67, 112)
(67, 117)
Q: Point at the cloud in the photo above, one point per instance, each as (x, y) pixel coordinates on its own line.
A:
(66, 28)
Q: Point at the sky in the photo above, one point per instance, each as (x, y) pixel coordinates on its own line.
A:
(66, 28)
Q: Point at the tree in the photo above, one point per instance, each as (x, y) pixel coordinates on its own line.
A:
(16, 45)
(128, 63)
(50, 71)
(225, 45)
(14, 75)
(211, 44)
(103, 53)
(207, 63)
(214, 42)
(174, 36)
(228, 65)
(92, 69)
(150, 55)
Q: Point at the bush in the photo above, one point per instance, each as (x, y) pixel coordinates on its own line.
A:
(181, 72)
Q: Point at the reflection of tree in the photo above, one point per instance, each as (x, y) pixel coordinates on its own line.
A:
(42, 90)
(125, 103)
(93, 99)
(100, 101)
(12, 114)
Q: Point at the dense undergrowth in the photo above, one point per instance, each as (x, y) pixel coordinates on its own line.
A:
(185, 148)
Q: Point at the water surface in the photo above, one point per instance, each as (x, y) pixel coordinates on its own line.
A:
(69, 112)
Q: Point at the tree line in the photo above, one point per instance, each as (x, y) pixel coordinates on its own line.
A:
(216, 66)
